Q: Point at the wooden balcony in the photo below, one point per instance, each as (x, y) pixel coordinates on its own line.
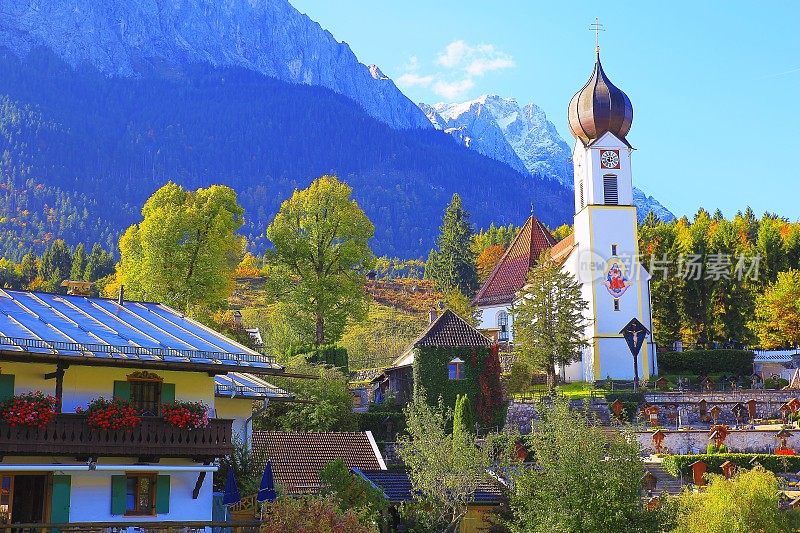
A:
(69, 435)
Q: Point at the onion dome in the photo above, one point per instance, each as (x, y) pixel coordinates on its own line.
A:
(600, 107)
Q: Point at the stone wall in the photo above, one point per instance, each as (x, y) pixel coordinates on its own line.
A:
(520, 414)
(738, 441)
(768, 403)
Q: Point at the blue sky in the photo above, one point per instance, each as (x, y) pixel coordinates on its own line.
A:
(715, 85)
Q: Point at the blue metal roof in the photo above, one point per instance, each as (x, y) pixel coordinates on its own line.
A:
(397, 487)
(83, 328)
(238, 385)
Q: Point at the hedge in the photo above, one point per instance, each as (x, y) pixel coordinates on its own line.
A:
(675, 464)
(703, 362)
(328, 354)
(379, 422)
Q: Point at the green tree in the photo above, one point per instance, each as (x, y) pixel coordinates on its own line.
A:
(99, 264)
(747, 502)
(327, 401)
(56, 264)
(185, 249)
(452, 264)
(549, 320)
(78, 262)
(28, 268)
(777, 312)
(444, 469)
(321, 256)
(583, 480)
(353, 492)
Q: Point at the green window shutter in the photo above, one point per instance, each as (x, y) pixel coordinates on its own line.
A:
(6, 386)
(59, 503)
(162, 494)
(167, 392)
(119, 485)
(122, 390)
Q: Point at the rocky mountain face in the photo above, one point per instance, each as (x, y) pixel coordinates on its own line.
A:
(131, 38)
(522, 137)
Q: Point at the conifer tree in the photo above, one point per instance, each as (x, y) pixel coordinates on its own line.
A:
(452, 265)
(549, 319)
(78, 263)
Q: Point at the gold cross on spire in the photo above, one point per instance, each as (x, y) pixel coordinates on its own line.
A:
(596, 27)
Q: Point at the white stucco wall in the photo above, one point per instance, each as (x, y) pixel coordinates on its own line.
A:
(240, 410)
(85, 383)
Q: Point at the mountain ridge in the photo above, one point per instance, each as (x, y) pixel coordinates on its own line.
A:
(135, 37)
(522, 137)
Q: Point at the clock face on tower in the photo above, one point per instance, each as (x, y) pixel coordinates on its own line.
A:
(609, 159)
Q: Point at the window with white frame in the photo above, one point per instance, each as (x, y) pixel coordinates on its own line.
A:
(502, 326)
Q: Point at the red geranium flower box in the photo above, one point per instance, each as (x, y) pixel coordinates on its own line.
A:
(32, 409)
(112, 414)
(185, 415)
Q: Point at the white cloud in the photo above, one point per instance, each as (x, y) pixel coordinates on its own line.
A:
(453, 90)
(453, 54)
(412, 79)
(479, 67)
(461, 63)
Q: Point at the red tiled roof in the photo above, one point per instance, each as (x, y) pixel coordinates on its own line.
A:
(511, 271)
(561, 250)
(298, 458)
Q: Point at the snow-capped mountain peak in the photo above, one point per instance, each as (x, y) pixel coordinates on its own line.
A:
(522, 137)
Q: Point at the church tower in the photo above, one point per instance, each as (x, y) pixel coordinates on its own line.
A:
(605, 257)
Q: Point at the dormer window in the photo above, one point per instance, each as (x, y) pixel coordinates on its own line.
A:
(455, 369)
(502, 326)
(610, 192)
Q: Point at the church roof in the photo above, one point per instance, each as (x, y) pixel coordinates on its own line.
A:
(600, 107)
(511, 271)
(561, 250)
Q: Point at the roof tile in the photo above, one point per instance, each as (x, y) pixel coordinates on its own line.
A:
(298, 458)
(511, 271)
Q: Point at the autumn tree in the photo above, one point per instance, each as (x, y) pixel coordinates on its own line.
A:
(185, 249)
(747, 502)
(452, 264)
(445, 469)
(488, 259)
(777, 312)
(549, 319)
(321, 256)
(583, 480)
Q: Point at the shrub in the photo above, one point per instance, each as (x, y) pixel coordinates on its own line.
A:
(775, 383)
(328, 354)
(112, 414)
(309, 515)
(714, 449)
(519, 380)
(186, 415)
(677, 464)
(32, 409)
(703, 362)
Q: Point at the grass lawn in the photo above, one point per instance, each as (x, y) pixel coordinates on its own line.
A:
(573, 391)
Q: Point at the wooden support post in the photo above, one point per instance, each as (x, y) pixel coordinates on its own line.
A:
(200, 478)
(58, 375)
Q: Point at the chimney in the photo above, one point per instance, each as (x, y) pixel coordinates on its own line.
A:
(121, 297)
(432, 316)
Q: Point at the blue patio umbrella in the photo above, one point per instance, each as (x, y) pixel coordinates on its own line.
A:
(266, 493)
(231, 495)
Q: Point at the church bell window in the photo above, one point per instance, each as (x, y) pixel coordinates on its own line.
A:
(610, 192)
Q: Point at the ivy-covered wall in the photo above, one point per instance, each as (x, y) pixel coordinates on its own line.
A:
(431, 374)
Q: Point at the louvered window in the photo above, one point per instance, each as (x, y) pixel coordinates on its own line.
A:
(580, 191)
(610, 194)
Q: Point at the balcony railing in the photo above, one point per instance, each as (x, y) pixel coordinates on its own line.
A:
(70, 435)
